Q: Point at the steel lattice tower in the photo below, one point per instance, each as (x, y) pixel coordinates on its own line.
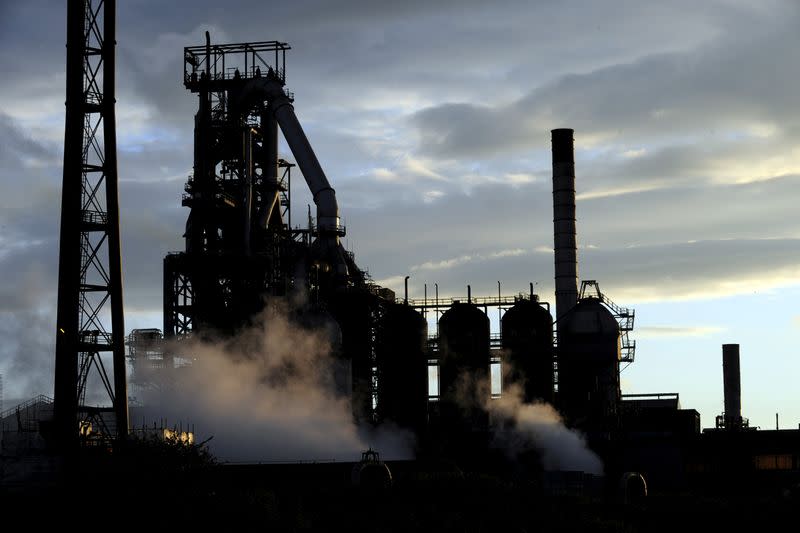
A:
(90, 273)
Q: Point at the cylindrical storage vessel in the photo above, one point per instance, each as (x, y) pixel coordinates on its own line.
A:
(732, 385)
(527, 335)
(371, 473)
(464, 386)
(402, 362)
(356, 313)
(588, 366)
(319, 321)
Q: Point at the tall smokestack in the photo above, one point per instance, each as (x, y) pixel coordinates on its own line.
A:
(566, 254)
(732, 384)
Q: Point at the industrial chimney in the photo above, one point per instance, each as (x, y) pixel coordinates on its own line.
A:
(732, 384)
(565, 247)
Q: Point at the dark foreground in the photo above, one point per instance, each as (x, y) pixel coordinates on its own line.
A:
(195, 492)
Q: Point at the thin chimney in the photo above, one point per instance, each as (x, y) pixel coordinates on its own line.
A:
(732, 386)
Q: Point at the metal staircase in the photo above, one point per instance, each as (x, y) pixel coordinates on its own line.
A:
(624, 316)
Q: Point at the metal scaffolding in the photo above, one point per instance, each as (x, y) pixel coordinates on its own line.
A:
(238, 231)
(90, 322)
(624, 316)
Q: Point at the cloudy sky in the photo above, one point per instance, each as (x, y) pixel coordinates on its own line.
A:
(432, 121)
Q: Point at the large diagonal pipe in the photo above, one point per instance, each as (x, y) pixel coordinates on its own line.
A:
(324, 195)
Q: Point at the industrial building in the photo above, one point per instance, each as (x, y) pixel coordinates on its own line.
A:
(242, 253)
(239, 218)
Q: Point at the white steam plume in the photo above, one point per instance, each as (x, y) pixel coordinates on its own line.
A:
(521, 426)
(268, 395)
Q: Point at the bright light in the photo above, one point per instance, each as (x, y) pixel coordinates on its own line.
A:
(184, 437)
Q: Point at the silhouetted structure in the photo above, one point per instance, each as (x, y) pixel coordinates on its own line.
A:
(731, 419)
(89, 270)
(241, 249)
(464, 386)
(588, 365)
(402, 395)
(527, 337)
(565, 245)
(237, 243)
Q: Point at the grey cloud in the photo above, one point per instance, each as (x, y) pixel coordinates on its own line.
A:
(27, 353)
(729, 83)
(676, 331)
(152, 223)
(380, 45)
(691, 212)
(151, 77)
(35, 29)
(692, 269)
(18, 147)
(406, 231)
(612, 232)
(675, 271)
(713, 162)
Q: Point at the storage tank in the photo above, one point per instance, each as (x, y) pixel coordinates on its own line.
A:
(356, 312)
(318, 320)
(402, 362)
(464, 385)
(527, 337)
(588, 365)
(371, 473)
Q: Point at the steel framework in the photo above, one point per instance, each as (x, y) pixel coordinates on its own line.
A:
(501, 303)
(238, 231)
(90, 320)
(624, 316)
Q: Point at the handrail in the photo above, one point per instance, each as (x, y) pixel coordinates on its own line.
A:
(442, 302)
(41, 398)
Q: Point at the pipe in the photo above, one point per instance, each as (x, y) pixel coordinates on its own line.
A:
(201, 233)
(499, 306)
(208, 55)
(406, 284)
(269, 166)
(324, 195)
(248, 174)
(564, 235)
(268, 210)
(732, 386)
(436, 288)
(469, 294)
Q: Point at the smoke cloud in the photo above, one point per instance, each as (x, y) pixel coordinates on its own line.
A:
(521, 426)
(268, 394)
